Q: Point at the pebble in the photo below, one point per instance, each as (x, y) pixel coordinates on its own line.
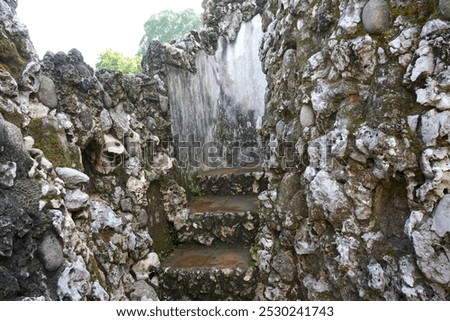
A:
(50, 251)
(47, 92)
(76, 200)
(307, 118)
(376, 17)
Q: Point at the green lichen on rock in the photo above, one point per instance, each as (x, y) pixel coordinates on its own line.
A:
(416, 11)
(52, 141)
(158, 225)
(10, 59)
(13, 117)
(96, 274)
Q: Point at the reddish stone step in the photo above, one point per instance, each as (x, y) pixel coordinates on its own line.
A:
(224, 204)
(197, 272)
(208, 257)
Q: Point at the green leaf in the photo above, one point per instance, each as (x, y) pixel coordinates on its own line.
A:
(116, 60)
(168, 25)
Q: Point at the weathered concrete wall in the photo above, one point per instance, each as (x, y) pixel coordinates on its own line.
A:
(216, 88)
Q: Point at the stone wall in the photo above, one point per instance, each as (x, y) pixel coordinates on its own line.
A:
(357, 134)
(355, 144)
(84, 165)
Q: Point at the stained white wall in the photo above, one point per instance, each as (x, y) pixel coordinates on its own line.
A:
(232, 79)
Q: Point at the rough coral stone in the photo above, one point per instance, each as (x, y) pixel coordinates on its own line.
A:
(376, 17)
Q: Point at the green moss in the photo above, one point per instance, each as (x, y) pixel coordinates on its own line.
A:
(121, 175)
(195, 190)
(158, 226)
(254, 249)
(51, 141)
(14, 118)
(106, 235)
(96, 275)
(417, 12)
(10, 59)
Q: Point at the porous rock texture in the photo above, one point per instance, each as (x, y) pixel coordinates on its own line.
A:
(355, 135)
(361, 213)
(76, 162)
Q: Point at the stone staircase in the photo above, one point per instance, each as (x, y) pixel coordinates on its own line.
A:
(213, 261)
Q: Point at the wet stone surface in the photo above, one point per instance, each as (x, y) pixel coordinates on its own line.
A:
(208, 273)
(208, 257)
(224, 204)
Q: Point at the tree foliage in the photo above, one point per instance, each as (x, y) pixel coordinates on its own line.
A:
(115, 60)
(167, 26)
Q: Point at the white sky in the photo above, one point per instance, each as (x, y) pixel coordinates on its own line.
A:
(92, 26)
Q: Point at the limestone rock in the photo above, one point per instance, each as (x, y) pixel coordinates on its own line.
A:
(142, 291)
(164, 103)
(143, 268)
(350, 16)
(113, 146)
(51, 253)
(71, 176)
(12, 149)
(76, 200)
(64, 121)
(98, 292)
(434, 264)
(8, 85)
(376, 17)
(441, 217)
(328, 195)
(7, 174)
(29, 79)
(103, 217)
(74, 281)
(284, 265)
(378, 280)
(105, 120)
(47, 92)
(121, 121)
(307, 117)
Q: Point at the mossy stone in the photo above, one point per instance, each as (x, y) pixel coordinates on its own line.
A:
(10, 59)
(51, 139)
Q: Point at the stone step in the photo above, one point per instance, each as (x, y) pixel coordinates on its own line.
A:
(228, 219)
(231, 181)
(219, 272)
